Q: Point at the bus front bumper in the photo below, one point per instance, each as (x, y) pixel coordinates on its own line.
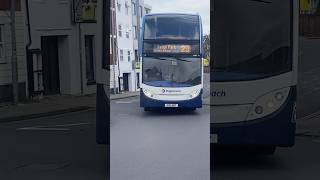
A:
(147, 102)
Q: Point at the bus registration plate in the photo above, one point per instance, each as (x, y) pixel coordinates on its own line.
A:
(171, 105)
(214, 138)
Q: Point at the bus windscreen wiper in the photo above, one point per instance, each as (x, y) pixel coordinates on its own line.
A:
(156, 57)
(180, 59)
(174, 57)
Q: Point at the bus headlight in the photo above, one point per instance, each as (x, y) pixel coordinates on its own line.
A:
(268, 103)
(259, 109)
(148, 93)
(279, 96)
(195, 93)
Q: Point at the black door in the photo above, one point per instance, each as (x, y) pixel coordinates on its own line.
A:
(126, 81)
(50, 64)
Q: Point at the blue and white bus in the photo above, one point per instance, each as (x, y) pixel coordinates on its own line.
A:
(171, 56)
(254, 73)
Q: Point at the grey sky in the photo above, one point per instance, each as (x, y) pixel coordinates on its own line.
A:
(184, 6)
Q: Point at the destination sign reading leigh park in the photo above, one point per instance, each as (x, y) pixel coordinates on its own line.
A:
(172, 48)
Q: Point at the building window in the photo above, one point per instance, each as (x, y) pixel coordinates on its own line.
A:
(127, 9)
(127, 34)
(134, 11)
(2, 42)
(136, 56)
(129, 56)
(120, 31)
(141, 13)
(138, 80)
(121, 55)
(135, 35)
(89, 53)
(119, 6)
(147, 10)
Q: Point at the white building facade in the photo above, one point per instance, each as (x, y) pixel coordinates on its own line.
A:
(125, 73)
(61, 56)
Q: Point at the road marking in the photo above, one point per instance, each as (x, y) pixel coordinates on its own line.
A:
(42, 129)
(69, 125)
(123, 102)
(58, 127)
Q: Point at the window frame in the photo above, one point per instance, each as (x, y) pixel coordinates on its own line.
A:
(120, 30)
(134, 11)
(129, 56)
(126, 6)
(121, 55)
(135, 32)
(119, 6)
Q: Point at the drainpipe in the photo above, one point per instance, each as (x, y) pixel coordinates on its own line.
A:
(28, 26)
(29, 39)
(80, 53)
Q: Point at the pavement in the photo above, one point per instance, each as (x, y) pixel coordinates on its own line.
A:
(52, 105)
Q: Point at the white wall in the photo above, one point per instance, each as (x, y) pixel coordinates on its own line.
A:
(124, 43)
(54, 18)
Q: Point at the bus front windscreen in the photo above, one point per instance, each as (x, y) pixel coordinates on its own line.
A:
(252, 39)
(171, 71)
(173, 27)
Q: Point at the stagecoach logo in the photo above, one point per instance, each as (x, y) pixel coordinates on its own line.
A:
(170, 91)
(220, 93)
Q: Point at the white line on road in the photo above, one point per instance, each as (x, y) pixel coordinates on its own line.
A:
(58, 127)
(69, 125)
(42, 129)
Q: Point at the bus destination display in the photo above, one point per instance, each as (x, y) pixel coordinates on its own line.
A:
(172, 48)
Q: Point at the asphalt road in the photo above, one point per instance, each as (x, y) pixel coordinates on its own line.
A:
(158, 145)
(61, 147)
(300, 162)
(297, 163)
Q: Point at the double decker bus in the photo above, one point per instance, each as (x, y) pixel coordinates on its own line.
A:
(254, 73)
(171, 55)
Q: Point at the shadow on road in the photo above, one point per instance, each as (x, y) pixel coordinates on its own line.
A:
(170, 112)
(240, 158)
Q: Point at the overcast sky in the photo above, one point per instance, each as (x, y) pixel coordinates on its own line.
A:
(184, 6)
